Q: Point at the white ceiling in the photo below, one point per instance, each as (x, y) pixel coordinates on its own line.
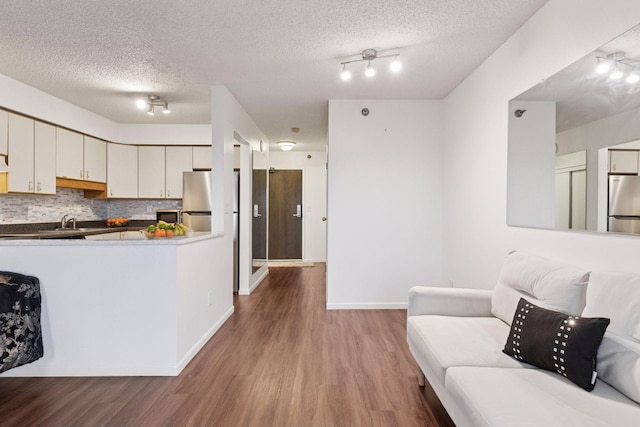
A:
(279, 58)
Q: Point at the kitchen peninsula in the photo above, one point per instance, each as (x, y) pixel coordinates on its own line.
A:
(120, 307)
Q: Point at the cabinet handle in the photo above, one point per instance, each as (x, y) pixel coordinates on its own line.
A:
(161, 193)
(30, 186)
(39, 187)
(81, 173)
(614, 167)
(168, 193)
(111, 192)
(86, 174)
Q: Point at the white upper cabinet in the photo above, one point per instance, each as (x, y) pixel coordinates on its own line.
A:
(178, 160)
(31, 149)
(621, 161)
(95, 159)
(69, 154)
(21, 149)
(44, 172)
(202, 159)
(122, 171)
(4, 131)
(151, 175)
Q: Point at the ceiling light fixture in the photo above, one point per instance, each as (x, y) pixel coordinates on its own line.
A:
(150, 102)
(634, 77)
(369, 72)
(370, 55)
(286, 145)
(616, 64)
(346, 74)
(396, 65)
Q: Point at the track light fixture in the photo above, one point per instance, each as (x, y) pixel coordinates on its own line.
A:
(617, 65)
(370, 55)
(150, 102)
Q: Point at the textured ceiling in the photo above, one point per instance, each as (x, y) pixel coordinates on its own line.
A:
(280, 58)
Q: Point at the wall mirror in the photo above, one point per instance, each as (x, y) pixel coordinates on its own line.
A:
(259, 209)
(565, 135)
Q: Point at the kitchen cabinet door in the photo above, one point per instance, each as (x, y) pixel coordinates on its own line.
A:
(122, 171)
(178, 160)
(4, 131)
(69, 154)
(202, 159)
(151, 163)
(20, 147)
(623, 161)
(44, 172)
(95, 159)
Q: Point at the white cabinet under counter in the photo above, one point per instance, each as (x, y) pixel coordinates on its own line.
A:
(122, 307)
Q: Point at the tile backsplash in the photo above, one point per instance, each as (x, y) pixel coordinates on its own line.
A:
(23, 208)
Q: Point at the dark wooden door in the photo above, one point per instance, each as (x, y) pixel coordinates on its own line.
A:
(259, 215)
(285, 214)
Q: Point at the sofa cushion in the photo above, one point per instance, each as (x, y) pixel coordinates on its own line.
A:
(533, 397)
(445, 341)
(556, 342)
(545, 283)
(617, 296)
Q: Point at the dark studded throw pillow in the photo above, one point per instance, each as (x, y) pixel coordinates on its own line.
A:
(557, 342)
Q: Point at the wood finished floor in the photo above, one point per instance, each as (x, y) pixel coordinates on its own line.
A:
(280, 360)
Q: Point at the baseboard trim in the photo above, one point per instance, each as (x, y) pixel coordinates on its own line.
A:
(205, 338)
(367, 306)
(255, 285)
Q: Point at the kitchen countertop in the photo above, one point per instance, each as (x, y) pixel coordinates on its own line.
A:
(180, 240)
(45, 234)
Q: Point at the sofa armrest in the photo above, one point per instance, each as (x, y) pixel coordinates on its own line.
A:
(449, 302)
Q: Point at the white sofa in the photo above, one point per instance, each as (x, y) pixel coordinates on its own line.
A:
(457, 335)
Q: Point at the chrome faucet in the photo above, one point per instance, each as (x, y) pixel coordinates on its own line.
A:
(64, 222)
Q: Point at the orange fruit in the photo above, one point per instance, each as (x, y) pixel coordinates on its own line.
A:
(169, 233)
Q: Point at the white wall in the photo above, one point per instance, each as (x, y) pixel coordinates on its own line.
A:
(385, 201)
(228, 118)
(314, 193)
(477, 240)
(531, 164)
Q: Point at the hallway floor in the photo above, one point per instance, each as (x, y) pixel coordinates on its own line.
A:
(282, 359)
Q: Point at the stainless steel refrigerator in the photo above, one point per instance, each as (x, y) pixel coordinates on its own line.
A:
(624, 203)
(196, 200)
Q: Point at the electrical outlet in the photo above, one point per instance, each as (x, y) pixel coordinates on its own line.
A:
(149, 209)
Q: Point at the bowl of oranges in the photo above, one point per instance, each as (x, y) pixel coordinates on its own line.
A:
(117, 222)
(166, 230)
